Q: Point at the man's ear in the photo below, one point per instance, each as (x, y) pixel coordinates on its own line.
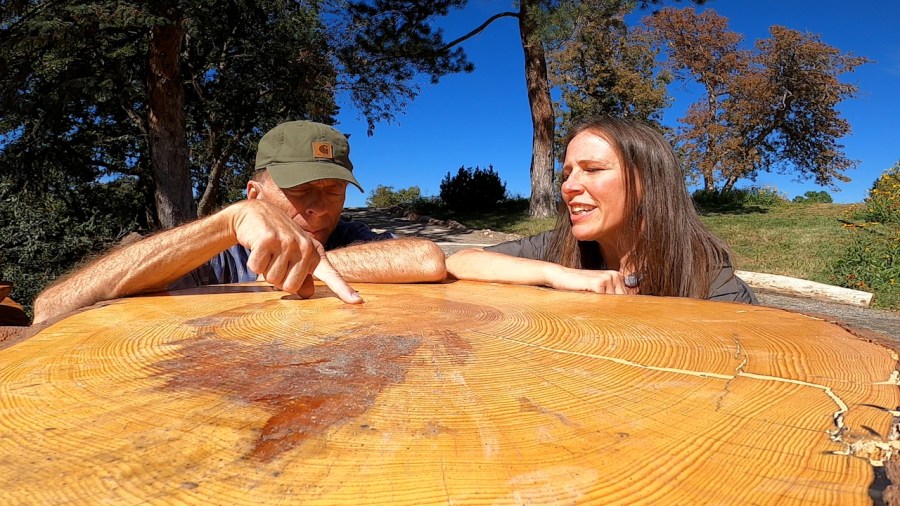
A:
(253, 190)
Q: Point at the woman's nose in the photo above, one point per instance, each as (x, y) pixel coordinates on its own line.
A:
(571, 185)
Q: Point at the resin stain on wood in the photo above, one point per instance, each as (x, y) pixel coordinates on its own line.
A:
(308, 390)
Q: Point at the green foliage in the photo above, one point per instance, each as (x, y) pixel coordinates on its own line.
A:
(473, 189)
(813, 197)
(872, 262)
(601, 66)
(74, 102)
(385, 196)
(763, 196)
(76, 80)
(718, 199)
(74, 74)
(883, 203)
(383, 45)
(43, 235)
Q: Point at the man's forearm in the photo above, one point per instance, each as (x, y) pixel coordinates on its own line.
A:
(149, 264)
(391, 261)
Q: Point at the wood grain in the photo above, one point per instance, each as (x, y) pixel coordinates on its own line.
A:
(460, 393)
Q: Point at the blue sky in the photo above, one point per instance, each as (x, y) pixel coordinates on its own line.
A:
(482, 118)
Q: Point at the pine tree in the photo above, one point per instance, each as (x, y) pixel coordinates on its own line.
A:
(177, 92)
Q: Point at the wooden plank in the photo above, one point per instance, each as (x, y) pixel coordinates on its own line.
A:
(464, 393)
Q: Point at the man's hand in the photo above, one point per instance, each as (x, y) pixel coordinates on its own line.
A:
(583, 280)
(326, 273)
(282, 252)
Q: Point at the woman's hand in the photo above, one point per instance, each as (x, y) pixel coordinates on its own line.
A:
(582, 280)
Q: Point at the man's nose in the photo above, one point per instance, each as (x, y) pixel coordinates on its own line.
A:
(315, 204)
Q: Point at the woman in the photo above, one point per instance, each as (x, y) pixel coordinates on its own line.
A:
(627, 226)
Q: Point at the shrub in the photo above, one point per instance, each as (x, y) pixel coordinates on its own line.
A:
(883, 203)
(734, 198)
(385, 196)
(811, 197)
(718, 199)
(473, 189)
(872, 261)
(766, 196)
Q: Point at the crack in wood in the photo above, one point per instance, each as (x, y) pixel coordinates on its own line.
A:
(836, 435)
(738, 354)
(894, 379)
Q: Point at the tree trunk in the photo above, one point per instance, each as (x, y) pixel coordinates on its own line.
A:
(542, 193)
(451, 393)
(729, 184)
(709, 182)
(167, 138)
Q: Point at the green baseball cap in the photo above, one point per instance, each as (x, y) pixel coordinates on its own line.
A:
(298, 152)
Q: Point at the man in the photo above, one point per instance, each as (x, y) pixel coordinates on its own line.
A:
(293, 208)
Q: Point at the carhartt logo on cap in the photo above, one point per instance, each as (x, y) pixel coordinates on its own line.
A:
(323, 150)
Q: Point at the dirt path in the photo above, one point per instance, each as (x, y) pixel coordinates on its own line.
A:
(452, 236)
(449, 235)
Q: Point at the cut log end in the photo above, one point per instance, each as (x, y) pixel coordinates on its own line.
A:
(803, 288)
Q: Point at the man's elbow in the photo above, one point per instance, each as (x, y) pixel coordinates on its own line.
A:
(41, 309)
(434, 267)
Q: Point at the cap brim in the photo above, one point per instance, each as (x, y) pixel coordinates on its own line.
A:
(289, 175)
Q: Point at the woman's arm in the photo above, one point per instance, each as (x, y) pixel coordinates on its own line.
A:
(480, 265)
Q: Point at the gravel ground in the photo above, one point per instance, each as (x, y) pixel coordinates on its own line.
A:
(452, 236)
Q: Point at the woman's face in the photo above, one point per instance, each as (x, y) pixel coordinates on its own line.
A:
(594, 188)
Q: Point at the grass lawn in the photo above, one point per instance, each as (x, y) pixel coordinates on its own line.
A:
(792, 239)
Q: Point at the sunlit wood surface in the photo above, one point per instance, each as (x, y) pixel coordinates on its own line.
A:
(461, 393)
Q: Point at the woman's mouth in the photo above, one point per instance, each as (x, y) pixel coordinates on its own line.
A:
(579, 212)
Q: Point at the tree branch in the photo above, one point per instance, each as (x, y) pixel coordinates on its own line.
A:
(478, 30)
(136, 119)
(207, 201)
(25, 16)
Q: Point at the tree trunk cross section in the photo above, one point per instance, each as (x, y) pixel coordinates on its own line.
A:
(464, 393)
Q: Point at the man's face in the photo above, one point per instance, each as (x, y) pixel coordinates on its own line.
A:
(315, 206)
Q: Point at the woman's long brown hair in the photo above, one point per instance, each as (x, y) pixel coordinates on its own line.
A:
(673, 252)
